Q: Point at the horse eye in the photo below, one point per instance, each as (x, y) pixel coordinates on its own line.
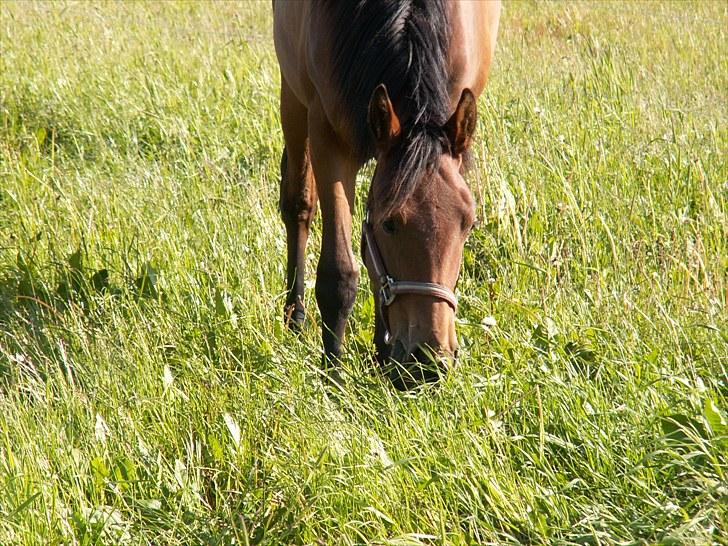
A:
(388, 226)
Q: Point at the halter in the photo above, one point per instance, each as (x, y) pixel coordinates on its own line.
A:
(389, 288)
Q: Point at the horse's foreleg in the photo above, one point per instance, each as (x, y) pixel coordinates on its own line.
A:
(338, 272)
(297, 201)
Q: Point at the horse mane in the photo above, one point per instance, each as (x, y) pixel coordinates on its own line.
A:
(403, 44)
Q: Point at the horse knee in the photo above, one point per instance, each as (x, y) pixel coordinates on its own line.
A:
(297, 201)
(297, 208)
(336, 291)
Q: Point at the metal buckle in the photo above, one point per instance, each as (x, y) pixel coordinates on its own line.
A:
(386, 297)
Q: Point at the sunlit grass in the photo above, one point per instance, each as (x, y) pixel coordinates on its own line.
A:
(149, 393)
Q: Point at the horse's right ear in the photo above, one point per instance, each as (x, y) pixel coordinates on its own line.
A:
(461, 125)
(383, 121)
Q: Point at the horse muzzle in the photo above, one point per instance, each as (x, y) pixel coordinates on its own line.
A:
(410, 368)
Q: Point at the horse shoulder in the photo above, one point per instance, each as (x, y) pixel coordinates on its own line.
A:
(474, 32)
(290, 37)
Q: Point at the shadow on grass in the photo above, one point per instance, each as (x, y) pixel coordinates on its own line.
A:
(36, 301)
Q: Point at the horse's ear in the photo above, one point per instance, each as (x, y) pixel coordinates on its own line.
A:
(382, 119)
(461, 125)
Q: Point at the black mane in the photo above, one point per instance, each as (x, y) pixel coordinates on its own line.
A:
(403, 44)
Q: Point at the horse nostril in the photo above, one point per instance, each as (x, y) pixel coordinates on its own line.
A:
(423, 355)
(398, 353)
(455, 354)
(409, 369)
(425, 366)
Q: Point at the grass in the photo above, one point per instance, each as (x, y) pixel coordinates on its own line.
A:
(149, 393)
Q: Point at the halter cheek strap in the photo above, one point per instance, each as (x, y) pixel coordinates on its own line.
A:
(389, 288)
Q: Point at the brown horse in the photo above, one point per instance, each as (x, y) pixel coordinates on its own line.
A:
(396, 80)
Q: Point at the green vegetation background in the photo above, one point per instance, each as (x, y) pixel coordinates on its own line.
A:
(150, 395)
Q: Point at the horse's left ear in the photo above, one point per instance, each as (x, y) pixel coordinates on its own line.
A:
(383, 122)
(461, 125)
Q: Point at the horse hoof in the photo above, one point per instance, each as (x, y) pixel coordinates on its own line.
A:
(333, 378)
(295, 318)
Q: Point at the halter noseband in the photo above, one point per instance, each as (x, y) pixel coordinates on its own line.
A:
(389, 288)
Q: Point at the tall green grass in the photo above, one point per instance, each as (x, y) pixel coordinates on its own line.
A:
(149, 393)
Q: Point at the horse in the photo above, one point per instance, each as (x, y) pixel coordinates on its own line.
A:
(397, 81)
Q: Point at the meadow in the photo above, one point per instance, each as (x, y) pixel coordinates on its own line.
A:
(150, 394)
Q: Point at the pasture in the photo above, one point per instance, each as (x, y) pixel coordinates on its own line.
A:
(150, 394)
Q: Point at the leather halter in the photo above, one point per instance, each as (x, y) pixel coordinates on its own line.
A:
(390, 288)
